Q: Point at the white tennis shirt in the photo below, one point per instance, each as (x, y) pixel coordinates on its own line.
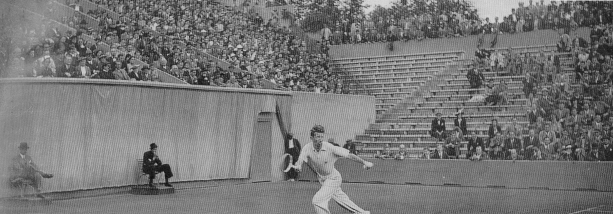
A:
(322, 161)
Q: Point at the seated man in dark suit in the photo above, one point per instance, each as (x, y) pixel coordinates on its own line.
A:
(439, 153)
(513, 148)
(473, 142)
(459, 121)
(135, 74)
(437, 129)
(531, 146)
(152, 165)
(25, 172)
(452, 144)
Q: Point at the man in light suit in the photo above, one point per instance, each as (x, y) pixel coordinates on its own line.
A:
(25, 172)
(119, 72)
(82, 70)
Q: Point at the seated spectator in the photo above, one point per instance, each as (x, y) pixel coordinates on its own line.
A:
(152, 165)
(529, 85)
(452, 144)
(437, 128)
(474, 141)
(23, 170)
(513, 148)
(82, 70)
(475, 77)
(386, 153)
(105, 73)
(549, 149)
(439, 153)
(425, 154)
(547, 132)
(532, 146)
(67, 68)
(494, 129)
(402, 153)
(580, 147)
(134, 74)
(477, 155)
(496, 147)
(460, 122)
(607, 150)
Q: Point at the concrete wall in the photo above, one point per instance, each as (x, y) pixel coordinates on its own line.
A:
(89, 133)
(343, 116)
(563, 175)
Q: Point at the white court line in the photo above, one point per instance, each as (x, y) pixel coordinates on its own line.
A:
(588, 209)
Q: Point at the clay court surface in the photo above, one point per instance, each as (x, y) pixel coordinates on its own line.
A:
(294, 197)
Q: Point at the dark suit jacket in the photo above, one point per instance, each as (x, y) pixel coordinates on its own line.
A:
(149, 161)
(462, 125)
(133, 75)
(512, 143)
(532, 117)
(296, 145)
(491, 130)
(436, 155)
(77, 72)
(436, 126)
(534, 142)
(62, 70)
(474, 143)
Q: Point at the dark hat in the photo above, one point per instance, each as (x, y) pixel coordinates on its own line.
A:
(438, 113)
(153, 146)
(23, 145)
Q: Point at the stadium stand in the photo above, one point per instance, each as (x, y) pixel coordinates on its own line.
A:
(448, 92)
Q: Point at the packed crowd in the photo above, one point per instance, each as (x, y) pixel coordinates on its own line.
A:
(36, 49)
(458, 19)
(444, 19)
(563, 15)
(181, 37)
(568, 117)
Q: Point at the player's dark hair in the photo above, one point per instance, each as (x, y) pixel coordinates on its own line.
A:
(317, 129)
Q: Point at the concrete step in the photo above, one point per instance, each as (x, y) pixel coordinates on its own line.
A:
(426, 125)
(464, 103)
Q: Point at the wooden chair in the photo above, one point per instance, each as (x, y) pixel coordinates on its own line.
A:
(140, 173)
(21, 184)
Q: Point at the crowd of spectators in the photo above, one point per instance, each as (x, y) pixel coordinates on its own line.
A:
(179, 37)
(199, 42)
(454, 19)
(37, 49)
(441, 20)
(568, 114)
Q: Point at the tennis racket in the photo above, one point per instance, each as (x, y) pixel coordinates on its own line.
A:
(287, 157)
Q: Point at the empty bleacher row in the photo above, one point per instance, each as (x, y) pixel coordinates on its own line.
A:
(392, 78)
(408, 121)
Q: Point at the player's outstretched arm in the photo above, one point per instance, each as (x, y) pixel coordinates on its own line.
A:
(365, 163)
(301, 159)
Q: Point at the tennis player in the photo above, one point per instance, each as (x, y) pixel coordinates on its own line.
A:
(322, 156)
